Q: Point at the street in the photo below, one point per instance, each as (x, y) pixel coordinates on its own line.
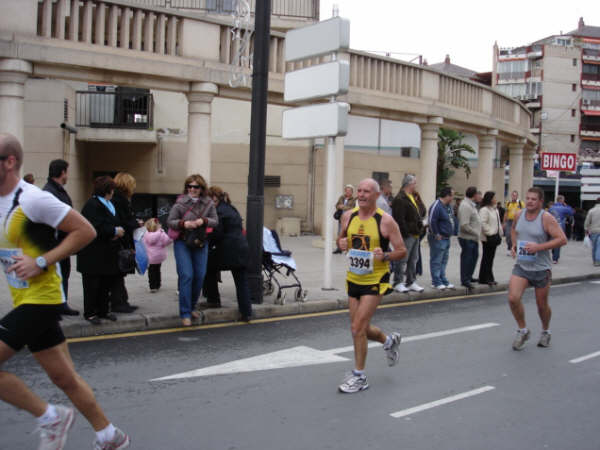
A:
(458, 384)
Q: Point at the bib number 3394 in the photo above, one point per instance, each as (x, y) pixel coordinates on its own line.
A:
(360, 262)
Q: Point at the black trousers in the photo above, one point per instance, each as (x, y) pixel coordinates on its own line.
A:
(211, 289)
(95, 294)
(117, 294)
(154, 276)
(65, 272)
(486, 275)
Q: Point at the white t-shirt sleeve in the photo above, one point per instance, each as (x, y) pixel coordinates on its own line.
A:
(42, 207)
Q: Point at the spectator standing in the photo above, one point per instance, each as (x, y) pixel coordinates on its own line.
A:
(406, 214)
(578, 226)
(501, 212)
(156, 241)
(346, 202)
(512, 206)
(561, 212)
(98, 262)
(228, 250)
(442, 226)
(592, 228)
(125, 186)
(423, 214)
(469, 230)
(57, 178)
(384, 201)
(193, 210)
(491, 237)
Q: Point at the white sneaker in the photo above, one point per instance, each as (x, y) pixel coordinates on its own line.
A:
(53, 435)
(353, 383)
(400, 287)
(439, 287)
(119, 441)
(449, 286)
(520, 340)
(391, 352)
(415, 287)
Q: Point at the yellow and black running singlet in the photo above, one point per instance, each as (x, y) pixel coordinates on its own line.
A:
(363, 237)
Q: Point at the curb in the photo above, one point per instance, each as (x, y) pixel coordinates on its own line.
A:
(155, 321)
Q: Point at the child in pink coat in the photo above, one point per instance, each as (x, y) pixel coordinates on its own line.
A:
(156, 241)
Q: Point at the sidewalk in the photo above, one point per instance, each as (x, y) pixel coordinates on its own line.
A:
(160, 310)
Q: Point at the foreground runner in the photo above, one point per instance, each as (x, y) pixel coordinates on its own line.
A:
(28, 217)
(534, 234)
(369, 231)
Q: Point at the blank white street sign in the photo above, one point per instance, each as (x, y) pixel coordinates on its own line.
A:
(306, 122)
(319, 81)
(316, 40)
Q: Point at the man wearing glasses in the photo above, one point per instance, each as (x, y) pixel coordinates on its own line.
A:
(28, 253)
(366, 234)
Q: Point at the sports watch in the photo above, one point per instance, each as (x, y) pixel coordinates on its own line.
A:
(41, 262)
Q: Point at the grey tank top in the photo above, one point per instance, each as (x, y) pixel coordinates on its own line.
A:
(532, 231)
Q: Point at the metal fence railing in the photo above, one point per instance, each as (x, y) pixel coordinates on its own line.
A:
(114, 110)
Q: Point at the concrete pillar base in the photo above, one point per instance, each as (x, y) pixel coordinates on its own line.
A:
(13, 75)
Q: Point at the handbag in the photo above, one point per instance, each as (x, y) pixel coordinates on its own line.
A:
(338, 213)
(174, 234)
(126, 260)
(196, 237)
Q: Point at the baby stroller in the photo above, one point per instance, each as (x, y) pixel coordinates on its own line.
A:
(278, 263)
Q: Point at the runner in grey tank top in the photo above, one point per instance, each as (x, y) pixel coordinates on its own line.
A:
(532, 231)
(534, 234)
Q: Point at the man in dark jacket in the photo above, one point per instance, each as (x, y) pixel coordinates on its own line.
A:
(442, 226)
(57, 178)
(406, 213)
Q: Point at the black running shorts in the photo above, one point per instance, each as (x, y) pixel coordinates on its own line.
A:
(34, 326)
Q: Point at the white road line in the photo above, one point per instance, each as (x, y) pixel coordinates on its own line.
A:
(420, 337)
(444, 401)
(584, 358)
(595, 282)
(575, 283)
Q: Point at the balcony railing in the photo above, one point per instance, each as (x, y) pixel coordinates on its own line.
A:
(593, 127)
(114, 110)
(511, 76)
(590, 76)
(590, 103)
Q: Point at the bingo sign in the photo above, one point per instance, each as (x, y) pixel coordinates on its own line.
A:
(563, 162)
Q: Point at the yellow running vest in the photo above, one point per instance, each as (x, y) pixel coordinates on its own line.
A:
(365, 236)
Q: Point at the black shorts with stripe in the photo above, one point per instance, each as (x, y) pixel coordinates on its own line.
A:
(34, 326)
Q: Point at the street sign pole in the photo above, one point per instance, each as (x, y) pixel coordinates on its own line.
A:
(556, 185)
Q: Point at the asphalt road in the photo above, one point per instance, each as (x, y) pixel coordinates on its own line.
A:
(464, 388)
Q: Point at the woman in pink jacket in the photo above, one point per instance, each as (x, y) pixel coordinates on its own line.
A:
(156, 241)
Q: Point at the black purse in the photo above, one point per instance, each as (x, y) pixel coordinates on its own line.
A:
(126, 260)
(195, 238)
(338, 213)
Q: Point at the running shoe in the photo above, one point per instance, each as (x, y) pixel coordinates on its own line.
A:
(415, 287)
(520, 340)
(544, 339)
(120, 440)
(401, 287)
(353, 383)
(53, 435)
(449, 286)
(391, 352)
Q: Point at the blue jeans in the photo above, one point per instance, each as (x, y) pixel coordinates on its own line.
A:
(405, 270)
(595, 237)
(468, 259)
(438, 259)
(191, 269)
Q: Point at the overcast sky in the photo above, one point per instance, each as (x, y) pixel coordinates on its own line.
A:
(464, 29)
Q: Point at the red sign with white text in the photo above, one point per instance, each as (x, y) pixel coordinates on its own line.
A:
(564, 162)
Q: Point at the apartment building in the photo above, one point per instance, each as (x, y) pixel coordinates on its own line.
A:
(558, 78)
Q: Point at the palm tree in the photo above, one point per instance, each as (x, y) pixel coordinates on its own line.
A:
(450, 156)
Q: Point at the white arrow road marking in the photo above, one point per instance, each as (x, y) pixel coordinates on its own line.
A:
(290, 357)
(444, 401)
(584, 358)
(595, 282)
(301, 356)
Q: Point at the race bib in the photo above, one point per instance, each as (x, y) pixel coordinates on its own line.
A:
(360, 262)
(522, 254)
(6, 259)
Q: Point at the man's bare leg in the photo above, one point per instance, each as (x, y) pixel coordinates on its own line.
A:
(544, 310)
(57, 363)
(516, 287)
(361, 312)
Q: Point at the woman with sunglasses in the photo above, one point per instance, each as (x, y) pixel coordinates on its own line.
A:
(192, 210)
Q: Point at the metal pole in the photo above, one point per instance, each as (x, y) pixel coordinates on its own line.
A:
(258, 127)
(556, 185)
(327, 216)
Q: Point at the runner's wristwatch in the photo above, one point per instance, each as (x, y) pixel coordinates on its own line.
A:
(41, 262)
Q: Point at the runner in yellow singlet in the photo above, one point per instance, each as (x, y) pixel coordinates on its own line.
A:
(366, 234)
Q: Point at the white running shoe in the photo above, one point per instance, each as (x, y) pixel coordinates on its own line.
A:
(449, 286)
(391, 352)
(353, 383)
(120, 440)
(439, 287)
(53, 435)
(400, 287)
(520, 340)
(415, 287)
(544, 339)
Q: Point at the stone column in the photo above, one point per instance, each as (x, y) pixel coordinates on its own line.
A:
(487, 149)
(13, 74)
(429, 151)
(515, 177)
(528, 159)
(200, 97)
